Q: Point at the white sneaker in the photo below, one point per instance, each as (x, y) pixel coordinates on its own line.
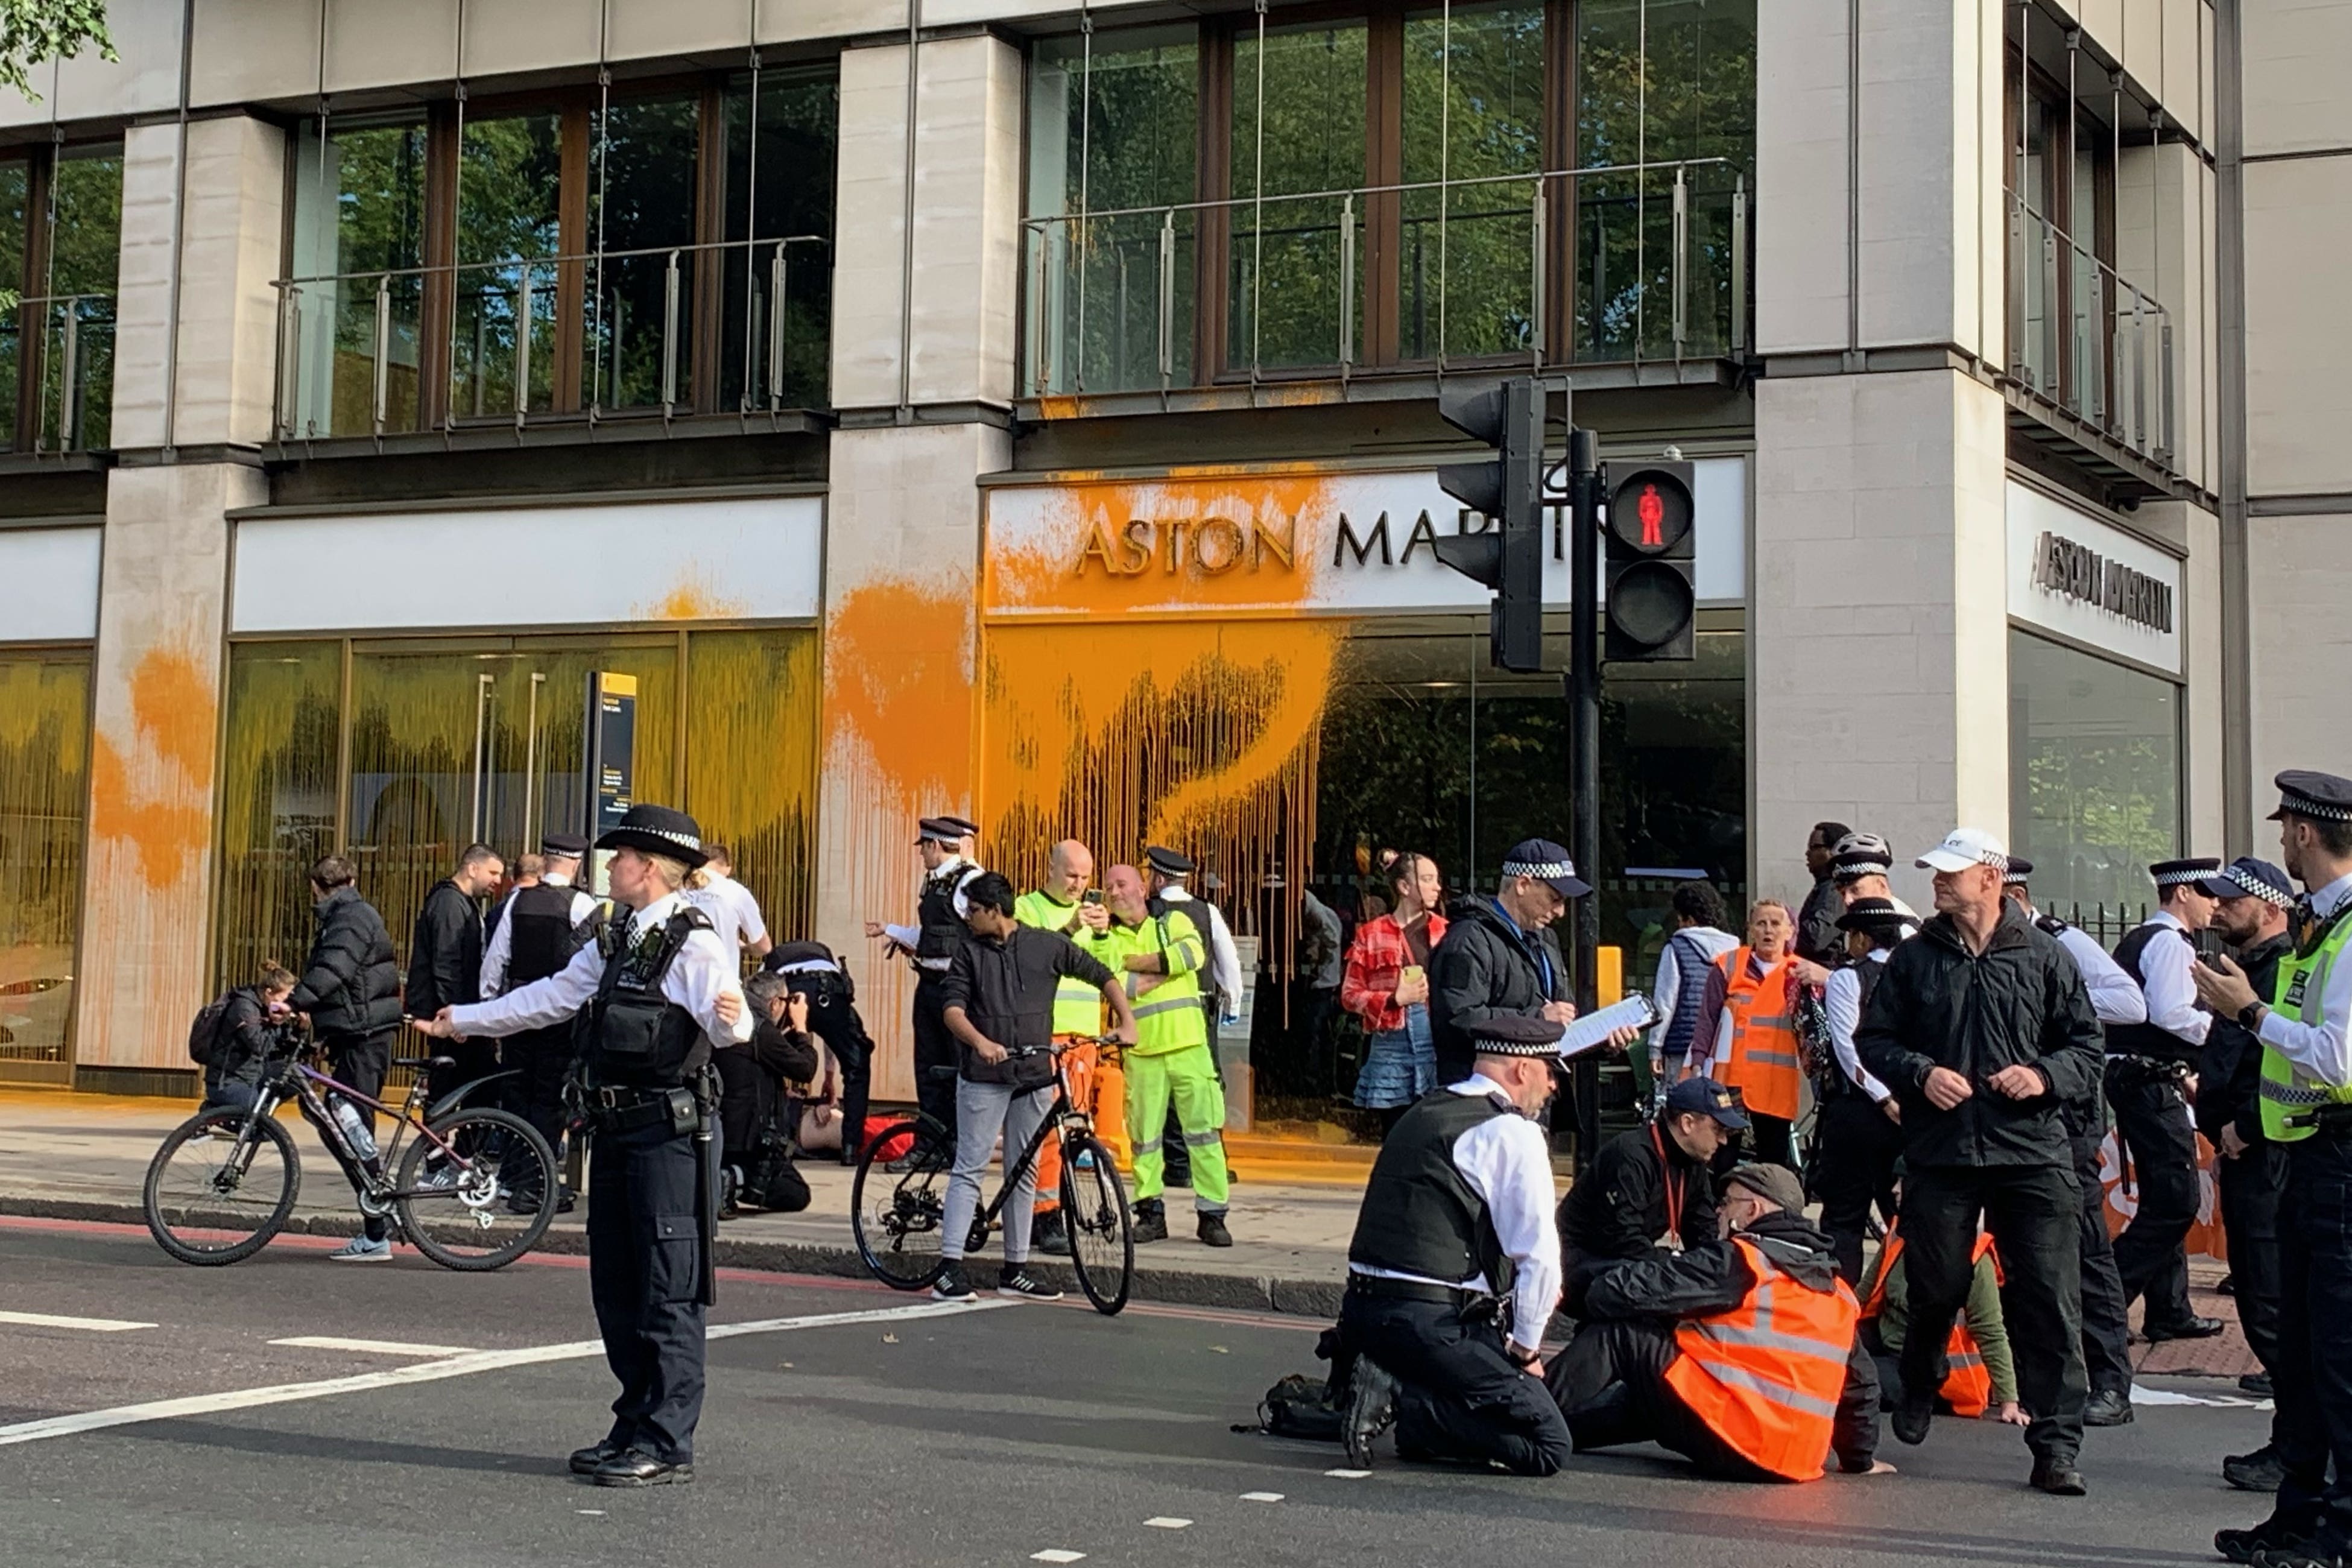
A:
(359, 1250)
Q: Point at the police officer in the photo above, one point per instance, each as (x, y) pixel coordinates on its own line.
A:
(540, 928)
(2147, 1066)
(1456, 1218)
(2115, 1000)
(1860, 1120)
(659, 994)
(929, 945)
(2306, 1106)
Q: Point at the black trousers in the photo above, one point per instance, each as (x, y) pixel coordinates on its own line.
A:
(2253, 1187)
(2034, 1213)
(2106, 1327)
(935, 1091)
(1610, 1385)
(1462, 1398)
(855, 1055)
(359, 1062)
(644, 1273)
(1854, 1168)
(2152, 1121)
(2313, 1379)
(541, 1058)
(473, 1059)
(747, 1103)
(1769, 1140)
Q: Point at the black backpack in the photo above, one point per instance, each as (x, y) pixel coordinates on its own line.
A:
(204, 1033)
(1301, 1406)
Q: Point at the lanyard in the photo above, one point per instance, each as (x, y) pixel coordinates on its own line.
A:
(1534, 948)
(1673, 1185)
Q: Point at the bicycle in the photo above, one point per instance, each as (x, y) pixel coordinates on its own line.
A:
(897, 1204)
(225, 1181)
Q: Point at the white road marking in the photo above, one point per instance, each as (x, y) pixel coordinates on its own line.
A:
(591, 1513)
(1164, 1522)
(369, 1347)
(1261, 1497)
(1056, 1554)
(51, 1320)
(1349, 1475)
(2142, 1394)
(432, 1372)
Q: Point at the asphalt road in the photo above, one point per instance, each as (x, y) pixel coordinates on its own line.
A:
(934, 1435)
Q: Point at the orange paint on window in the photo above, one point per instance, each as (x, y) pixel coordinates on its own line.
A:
(152, 789)
(899, 676)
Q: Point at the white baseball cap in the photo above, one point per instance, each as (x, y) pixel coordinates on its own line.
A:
(1963, 848)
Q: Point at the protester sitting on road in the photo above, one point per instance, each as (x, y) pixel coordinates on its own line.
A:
(241, 1041)
(1738, 1354)
(1979, 1373)
(1650, 1187)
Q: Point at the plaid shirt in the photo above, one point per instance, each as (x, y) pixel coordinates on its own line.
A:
(1376, 961)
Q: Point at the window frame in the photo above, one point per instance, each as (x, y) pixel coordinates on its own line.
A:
(40, 160)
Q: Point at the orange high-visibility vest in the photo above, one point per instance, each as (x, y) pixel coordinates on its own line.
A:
(1755, 1040)
(1765, 1376)
(1968, 1386)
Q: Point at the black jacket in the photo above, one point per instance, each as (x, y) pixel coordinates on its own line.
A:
(445, 958)
(1667, 1288)
(1818, 937)
(245, 1036)
(2229, 1073)
(1618, 1209)
(1005, 990)
(350, 985)
(2019, 1001)
(1481, 967)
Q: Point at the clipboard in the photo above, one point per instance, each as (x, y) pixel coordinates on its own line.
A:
(1591, 1029)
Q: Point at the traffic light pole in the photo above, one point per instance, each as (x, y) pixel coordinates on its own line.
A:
(1583, 681)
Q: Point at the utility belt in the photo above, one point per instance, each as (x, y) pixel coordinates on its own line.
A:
(2145, 1069)
(1474, 1306)
(620, 1108)
(2330, 1121)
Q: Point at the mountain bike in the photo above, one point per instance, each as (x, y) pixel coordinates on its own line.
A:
(898, 1204)
(474, 1191)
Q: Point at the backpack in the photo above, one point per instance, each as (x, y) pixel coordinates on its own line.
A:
(1300, 1406)
(204, 1033)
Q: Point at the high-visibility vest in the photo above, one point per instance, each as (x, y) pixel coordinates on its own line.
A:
(1765, 1376)
(1755, 1040)
(1077, 1006)
(1167, 1018)
(2292, 1095)
(1968, 1386)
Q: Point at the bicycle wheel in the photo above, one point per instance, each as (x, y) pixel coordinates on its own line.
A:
(218, 1190)
(483, 1201)
(898, 1215)
(1101, 1228)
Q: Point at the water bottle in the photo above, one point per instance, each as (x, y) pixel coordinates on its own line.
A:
(355, 1129)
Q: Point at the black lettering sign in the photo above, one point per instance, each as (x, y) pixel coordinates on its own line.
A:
(2076, 572)
(1362, 547)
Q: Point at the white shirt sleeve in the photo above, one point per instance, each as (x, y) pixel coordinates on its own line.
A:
(702, 972)
(2171, 992)
(494, 957)
(1666, 991)
(537, 1005)
(905, 936)
(750, 925)
(583, 906)
(1842, 1001)
(1506, 1161)
(1226, 962)
(2115, 996)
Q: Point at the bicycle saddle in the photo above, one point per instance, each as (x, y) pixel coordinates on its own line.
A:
(424, 1061)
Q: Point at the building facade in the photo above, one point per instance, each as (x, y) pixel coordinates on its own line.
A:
(1028, 408)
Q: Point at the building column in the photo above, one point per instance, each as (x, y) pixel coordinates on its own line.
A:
(923, 370)
(147, 903)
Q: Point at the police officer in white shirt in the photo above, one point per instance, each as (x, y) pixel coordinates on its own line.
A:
(733, 912)
(661, 994)
(2106, 1330)
(1454, 1269)
(1860, 1123)
(562, 854)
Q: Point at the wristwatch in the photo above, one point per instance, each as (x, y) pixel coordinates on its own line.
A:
(2250, 1016)
(1522, 1358)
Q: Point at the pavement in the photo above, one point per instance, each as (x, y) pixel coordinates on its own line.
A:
(291, 1410)
(80, 1156)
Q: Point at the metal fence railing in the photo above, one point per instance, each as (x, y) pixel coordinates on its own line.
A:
(67, 341)
(2085, 338)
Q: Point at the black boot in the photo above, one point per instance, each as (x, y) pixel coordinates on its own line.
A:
(1151, 1221)
(1213, 1231)
(1049, 1235)
(2108, 1407)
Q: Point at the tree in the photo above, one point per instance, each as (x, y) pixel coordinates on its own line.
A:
(35, 32)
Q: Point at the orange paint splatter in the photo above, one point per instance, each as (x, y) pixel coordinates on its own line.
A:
(691, 601)
(153, 790)
(172, 702)
(164, 834)
(899, 665)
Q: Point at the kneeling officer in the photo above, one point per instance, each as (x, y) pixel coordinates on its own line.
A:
(654, 994)
(1738, 1354)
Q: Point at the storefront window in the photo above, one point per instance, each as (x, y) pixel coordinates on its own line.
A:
(1285, 264)
(44, 792)
(358, 208)
(787, 141)
(2095, 777)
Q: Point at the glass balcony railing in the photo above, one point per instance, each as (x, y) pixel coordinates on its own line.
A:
(64, 343)
(556, 339)
(1632, 263)
(2086, 340)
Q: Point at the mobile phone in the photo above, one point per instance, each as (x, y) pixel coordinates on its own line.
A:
(1408, 974)
(1093, 896)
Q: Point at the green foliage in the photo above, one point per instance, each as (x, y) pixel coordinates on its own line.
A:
(35, 32)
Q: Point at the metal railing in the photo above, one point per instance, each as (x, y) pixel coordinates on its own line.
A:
(68, 340)
(351, 345)
(1659, 271)
(2085, 338)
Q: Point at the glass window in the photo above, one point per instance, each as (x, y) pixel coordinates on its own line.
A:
(1291, 248)
(2095, 776)
(1108, 137)
(1473, 109)
(785, 225)
(15, 180)
(277, 801)
(640, 322)
(44, 792)
(358, 208)
(509, 179)
(73, 293)
(752, 701)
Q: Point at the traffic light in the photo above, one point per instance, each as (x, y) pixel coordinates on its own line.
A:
(1651, 605)
(1507, 555)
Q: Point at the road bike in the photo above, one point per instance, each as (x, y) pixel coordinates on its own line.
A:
(898, 1204)
(473, 1191)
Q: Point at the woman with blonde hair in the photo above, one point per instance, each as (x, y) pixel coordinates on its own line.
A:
(1747, 1033)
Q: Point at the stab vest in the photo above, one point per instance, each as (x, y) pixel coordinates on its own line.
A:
(936, 919)
(543, 939)
(632, 1035)
(1834, 1083)
(1419, 1215)
(2148, 1039)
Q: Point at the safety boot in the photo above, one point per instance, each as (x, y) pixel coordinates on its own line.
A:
(1151, 1221)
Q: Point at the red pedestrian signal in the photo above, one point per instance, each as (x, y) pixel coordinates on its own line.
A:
(1652, 605)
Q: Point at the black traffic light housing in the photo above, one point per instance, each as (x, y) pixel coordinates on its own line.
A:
(1652, 603)
(1507, 555)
